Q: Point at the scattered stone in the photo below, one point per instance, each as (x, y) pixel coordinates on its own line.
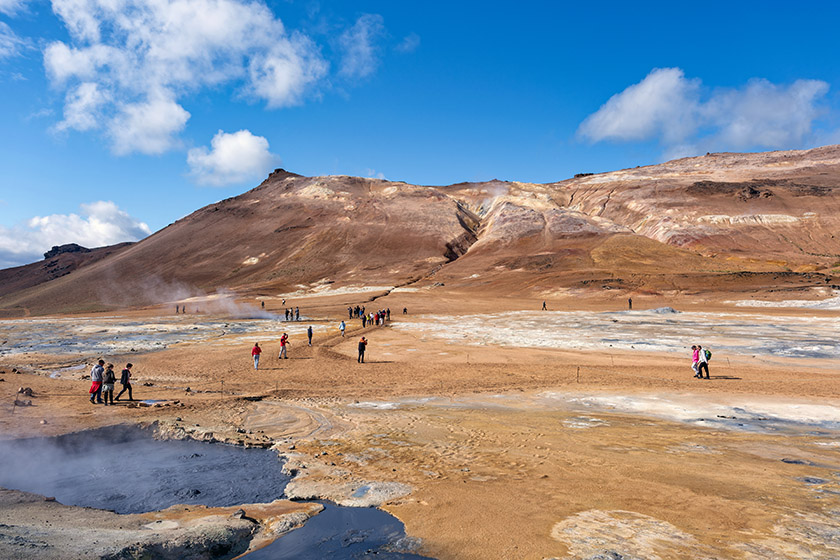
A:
(187, 390)
(147, 384)
(26, 391)
(177, 418)
(1, 379)
(292, 447)
(44, 422)
(238, 514)
(49, 498)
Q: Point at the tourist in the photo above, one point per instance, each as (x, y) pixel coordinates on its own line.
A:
(108, 380)
(176, 309)
(388, 313)
(703, 362)
(96, 373)
(125, 381)
(255, 352)
(309, 334)
(695, 357)
(544, 308)
(297, 313)
(630, 304)
(349, 312)
(364, 320)
(342, 326)
(362, 348)
(284, 340)
(262, 304)
(287, 313)
(405, 310)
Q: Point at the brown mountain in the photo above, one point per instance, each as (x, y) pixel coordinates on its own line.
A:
(715, 222)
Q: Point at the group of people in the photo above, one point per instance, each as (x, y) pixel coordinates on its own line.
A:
(102, 380)
(292, 314)
(700, 361)
(376, 319)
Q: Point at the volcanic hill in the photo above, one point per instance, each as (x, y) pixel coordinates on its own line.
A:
(720, 222)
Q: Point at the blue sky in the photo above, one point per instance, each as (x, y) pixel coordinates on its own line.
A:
(120, 116)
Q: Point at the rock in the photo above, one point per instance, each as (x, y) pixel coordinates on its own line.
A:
(177, 418)
(292, 447)
(187, 390)
(49, 498)
(1, 379)
(44, 422)
(68, 248)
(26, 391)
(147, 384)
(238, 514)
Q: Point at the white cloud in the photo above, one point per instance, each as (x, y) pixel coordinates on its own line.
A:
(10, 44)
(766, 114)
(98, 224)
(409, 44)
(360, 54)
(672, 109)
(11, 7)
(664, 103)
(148, 127)
(144, 56)
(233, 158)
(82, 106)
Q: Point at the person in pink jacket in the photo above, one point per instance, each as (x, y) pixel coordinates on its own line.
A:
(695, 357)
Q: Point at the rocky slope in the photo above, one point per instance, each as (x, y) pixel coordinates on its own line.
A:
(692, 223)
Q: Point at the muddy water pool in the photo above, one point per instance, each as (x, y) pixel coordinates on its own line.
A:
(126, 470)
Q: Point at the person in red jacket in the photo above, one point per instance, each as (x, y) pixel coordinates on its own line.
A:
(255, 352)
(284, 340)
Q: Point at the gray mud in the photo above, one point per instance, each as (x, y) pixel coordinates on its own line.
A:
(343, 533)
(124, 469)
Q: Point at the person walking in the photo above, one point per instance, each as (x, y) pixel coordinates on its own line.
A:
(362, 348)
(96, 373)
(342, 326)
(695, 357)
(284, 340)
(125, 381)
(702, 362)
(297, 313)
(630, 304)
(309, 334)
(108, 380)
(255, 353)
(364, 320)
(544, 308)
(405, 310)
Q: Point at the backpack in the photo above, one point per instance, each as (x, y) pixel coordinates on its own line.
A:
(708, 354)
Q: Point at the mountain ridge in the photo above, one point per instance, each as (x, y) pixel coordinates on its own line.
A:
(632, 229)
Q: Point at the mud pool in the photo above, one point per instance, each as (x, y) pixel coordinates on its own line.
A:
(657, 330)
(343, 533)
(125, 470)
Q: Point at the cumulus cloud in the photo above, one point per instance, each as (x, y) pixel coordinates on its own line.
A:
(10, 43)
(360, 53)
(128, 64)
(98, 224)
(232, 158)
(677, 112)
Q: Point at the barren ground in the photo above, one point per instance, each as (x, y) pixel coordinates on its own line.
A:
(495, 450)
